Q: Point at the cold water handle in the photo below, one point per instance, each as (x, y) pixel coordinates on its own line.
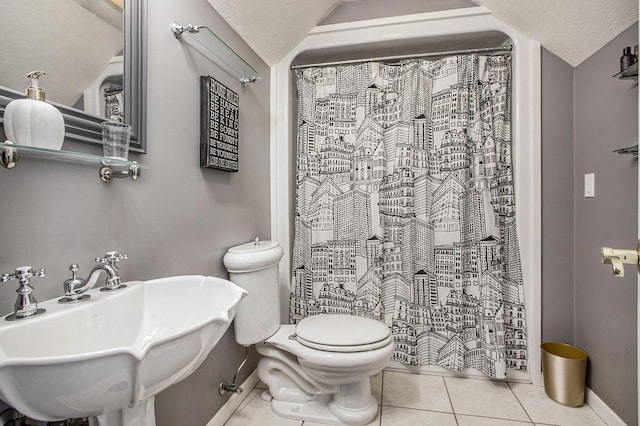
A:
(26, 305)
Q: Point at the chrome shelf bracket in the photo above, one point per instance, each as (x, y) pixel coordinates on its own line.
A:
(206, 42)
(178, 29)
(11, 153)
(109, 172)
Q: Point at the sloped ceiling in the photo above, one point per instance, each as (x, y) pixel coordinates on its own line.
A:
(273, 27)
(571, 29)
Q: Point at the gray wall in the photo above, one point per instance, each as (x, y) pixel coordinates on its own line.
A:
(177, 219)
(586, 114)
(180, 219)
(557, 199)
(606, 118)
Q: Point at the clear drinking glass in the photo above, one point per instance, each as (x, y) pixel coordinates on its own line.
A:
(115, 139)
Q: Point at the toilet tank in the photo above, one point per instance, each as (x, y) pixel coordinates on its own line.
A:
(254, 267)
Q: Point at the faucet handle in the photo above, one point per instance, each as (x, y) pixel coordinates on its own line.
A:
(23, 274)
(111, 257)
(26, 305)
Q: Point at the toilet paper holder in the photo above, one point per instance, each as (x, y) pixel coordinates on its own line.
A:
(618, 257)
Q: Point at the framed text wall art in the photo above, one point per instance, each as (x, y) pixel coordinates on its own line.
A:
(219, 125)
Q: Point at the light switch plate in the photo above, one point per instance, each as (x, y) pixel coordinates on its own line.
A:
(589, 185)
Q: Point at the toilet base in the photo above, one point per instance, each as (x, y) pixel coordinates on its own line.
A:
(337, 392)
(321, 412)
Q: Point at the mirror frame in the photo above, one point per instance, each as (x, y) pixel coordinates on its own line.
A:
(84, 127)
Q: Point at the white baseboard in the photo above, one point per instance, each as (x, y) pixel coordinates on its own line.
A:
(602, 409)
(229, 407)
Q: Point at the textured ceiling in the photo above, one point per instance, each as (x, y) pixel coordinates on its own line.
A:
(571, 29)
(273, 27)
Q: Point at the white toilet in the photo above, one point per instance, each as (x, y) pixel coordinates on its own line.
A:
(317, 370)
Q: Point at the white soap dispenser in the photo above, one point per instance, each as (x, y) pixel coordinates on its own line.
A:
(32, 121)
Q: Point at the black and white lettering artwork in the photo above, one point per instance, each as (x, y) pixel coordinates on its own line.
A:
(219, 132)
(405, 207)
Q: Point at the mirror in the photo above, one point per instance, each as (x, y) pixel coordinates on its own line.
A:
(107, 53)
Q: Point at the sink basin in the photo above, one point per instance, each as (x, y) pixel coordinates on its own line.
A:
(106, 358)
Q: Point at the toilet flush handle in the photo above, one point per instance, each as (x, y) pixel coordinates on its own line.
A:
(618, 257)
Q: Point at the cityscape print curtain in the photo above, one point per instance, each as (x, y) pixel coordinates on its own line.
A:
(405, 208)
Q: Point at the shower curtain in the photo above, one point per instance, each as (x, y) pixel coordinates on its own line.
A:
(405, 208)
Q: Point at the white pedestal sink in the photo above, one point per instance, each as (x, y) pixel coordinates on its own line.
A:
(107, 358)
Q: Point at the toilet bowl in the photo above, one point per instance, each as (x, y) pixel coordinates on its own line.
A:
(318, 370)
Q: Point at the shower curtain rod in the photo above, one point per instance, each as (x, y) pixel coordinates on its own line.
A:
(393, 58)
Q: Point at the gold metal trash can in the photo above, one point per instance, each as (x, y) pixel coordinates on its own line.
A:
(564, 369)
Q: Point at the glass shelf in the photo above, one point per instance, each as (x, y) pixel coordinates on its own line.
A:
(631, 73)
(205, 41)
(633, 150)
(109, 167)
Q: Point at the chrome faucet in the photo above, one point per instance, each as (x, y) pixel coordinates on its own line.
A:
(75, 288)
(26, 305)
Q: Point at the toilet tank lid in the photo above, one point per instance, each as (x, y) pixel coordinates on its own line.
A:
(254, 246)
(251, 257)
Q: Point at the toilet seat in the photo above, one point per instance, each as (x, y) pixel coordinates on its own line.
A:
(342, 333)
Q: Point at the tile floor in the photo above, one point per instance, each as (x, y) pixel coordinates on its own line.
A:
(416, 399)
